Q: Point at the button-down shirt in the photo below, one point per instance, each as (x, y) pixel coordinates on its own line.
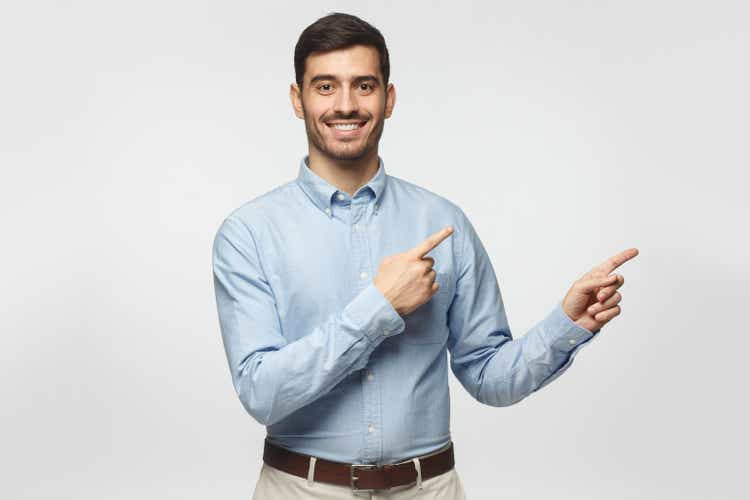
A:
(319, 356)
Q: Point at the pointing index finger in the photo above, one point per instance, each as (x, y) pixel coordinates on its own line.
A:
(617, 260)
(432, 241)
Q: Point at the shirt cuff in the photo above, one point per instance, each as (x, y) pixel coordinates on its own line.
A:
(562, 333)
(374, 315)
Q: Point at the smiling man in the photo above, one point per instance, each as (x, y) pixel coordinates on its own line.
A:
(342, 292)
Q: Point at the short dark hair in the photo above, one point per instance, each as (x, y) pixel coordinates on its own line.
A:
(338, 31)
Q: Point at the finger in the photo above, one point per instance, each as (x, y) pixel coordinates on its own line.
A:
(431, 242)
(430, 260)
(601, 306)
(604, 316)
(617, 260)
(594, 283)
(607, 292)
(594, 273)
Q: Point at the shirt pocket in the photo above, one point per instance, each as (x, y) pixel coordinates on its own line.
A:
(428, 324)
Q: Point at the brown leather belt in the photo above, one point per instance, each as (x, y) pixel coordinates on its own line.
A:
(360, 477)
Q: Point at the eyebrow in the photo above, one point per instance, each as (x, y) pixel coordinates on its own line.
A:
(357, 79)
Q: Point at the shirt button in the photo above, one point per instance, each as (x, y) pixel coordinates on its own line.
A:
(572, 341)
(385, 332)
(363, 274)
(369, 376)
(370, 429)
(355, 227)
(340, 196)
(328, 210)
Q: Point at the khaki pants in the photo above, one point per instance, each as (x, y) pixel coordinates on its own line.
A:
(274, 484)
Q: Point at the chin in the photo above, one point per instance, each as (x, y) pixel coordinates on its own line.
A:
(347, 155)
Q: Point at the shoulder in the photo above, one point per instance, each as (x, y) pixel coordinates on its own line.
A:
(256, 210)
(436, 206)
(256, 213)
(427, 199)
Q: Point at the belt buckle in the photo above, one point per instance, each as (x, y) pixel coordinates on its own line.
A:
(353, 478)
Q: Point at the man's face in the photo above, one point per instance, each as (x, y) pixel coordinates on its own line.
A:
(344, 87)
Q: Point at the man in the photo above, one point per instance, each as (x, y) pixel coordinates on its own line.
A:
(341, 293)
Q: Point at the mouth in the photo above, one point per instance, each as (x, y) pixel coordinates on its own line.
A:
(346, 129)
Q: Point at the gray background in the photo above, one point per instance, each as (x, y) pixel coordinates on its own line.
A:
(568, 131)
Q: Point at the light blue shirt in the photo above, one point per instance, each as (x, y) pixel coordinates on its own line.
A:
(320, 357)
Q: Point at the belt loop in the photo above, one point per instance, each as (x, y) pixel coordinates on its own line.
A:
(418, 466)
(311, 471)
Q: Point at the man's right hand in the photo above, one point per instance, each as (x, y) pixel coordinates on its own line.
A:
(407, 279)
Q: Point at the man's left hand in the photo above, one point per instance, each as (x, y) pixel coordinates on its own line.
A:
(593, 299)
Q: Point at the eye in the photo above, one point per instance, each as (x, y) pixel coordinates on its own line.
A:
(321, 87)
(367, 86)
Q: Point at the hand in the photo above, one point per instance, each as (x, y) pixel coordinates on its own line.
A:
(593, 299)
(407, 279)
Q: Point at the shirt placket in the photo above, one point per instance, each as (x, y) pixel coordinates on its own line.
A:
(372, 408)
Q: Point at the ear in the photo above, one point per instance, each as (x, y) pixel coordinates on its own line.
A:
(295, 96)
(390, 100)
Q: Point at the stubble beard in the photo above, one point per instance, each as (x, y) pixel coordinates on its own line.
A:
(346, 152)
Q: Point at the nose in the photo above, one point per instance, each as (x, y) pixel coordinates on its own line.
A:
(345, 102)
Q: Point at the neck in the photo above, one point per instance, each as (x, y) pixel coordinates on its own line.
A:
(346, 175)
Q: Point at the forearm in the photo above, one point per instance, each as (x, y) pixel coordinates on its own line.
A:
(525, 365)
(274, 381)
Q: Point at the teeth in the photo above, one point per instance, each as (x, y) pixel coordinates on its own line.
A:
(350, 126)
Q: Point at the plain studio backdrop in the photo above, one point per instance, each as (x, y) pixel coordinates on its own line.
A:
(567, 132)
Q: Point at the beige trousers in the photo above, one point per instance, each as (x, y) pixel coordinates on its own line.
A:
(274, 484)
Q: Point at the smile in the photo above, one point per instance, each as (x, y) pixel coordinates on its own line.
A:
(343, 129)
(346, 126)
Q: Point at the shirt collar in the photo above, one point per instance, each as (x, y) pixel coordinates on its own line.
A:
(321, 191)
